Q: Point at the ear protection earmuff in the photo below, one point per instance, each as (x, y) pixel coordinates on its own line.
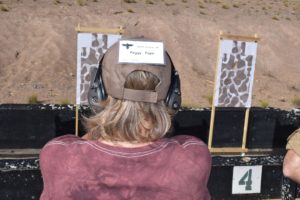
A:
(97, 91)
(173, 98)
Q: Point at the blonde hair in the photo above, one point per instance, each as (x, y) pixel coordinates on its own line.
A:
(131, 121)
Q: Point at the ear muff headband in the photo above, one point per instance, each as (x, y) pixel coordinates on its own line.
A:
(97, 91)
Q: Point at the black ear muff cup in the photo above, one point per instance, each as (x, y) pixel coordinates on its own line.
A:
(173, 99)
(96, 91)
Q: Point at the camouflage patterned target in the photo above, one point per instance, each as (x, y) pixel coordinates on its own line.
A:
(235, 73)
(90, 48)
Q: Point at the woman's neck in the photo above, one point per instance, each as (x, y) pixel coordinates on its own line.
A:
(124, 144)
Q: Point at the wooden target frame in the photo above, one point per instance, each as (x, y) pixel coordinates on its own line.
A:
(242, 148)
(91, 30)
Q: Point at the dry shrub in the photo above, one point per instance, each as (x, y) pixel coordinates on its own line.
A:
(190, 105)
(235, 5)
(209, 99)
(56, 2)
(65, 102)
(169, 3)
(130, 10)
(129, 1)
(296, 102)
(81, 2)
(117, 12)
(285, 3)
(264, 104)
(201, 4)
(225, 6)
(149, 2)
(4, 8)
(33, 99)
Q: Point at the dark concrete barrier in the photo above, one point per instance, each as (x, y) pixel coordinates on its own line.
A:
(20, 178)
(268, 128)
(24, 128)
(31, 126)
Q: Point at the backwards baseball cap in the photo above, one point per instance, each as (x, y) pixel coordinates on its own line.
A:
(127, 56)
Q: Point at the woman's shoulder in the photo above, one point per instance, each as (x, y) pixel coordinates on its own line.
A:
(192, 148)
(187, 140)
(188, 143)
(69, 138)
(191, 155)
(56, 144)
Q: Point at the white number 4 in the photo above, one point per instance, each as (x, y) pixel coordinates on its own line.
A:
(246, 179)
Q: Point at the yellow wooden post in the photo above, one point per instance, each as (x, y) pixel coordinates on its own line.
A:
(76, 119)
(213, 109)
(245, 131)
(211, 127)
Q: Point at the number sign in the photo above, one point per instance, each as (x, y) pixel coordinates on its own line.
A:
(246, 179)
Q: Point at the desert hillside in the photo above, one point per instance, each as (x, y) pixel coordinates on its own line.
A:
(38, 44)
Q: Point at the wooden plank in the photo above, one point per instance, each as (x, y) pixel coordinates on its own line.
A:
(211, 127)
(254, 38)
(213, 110)
(76, 120)
(80, 29)
(228, 150)
(245, 131)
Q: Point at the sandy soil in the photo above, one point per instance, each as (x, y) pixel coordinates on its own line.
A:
(38, 43)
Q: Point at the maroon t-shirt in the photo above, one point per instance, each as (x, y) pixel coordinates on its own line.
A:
(170, 168)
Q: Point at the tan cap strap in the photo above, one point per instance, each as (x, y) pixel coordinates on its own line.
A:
(140, 95)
